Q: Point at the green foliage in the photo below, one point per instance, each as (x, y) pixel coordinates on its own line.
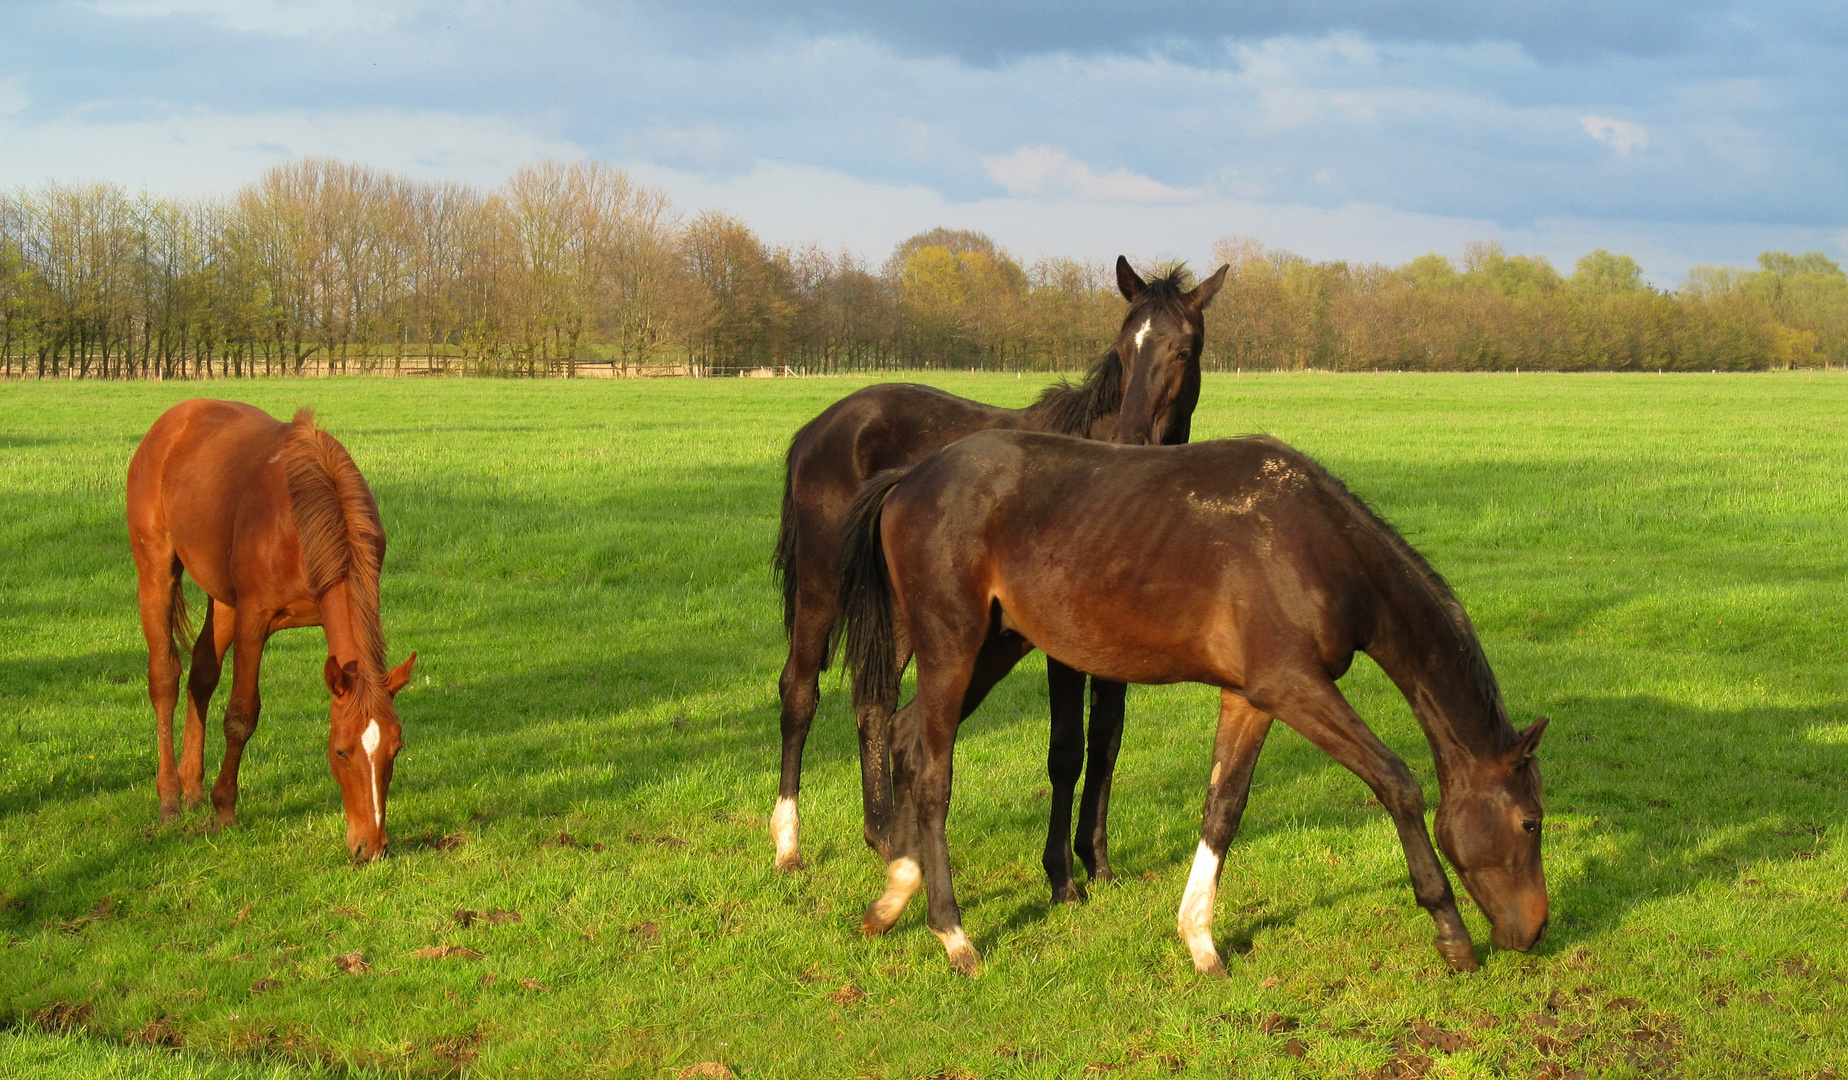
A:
(1782, 264)
(1652, 561)
(1431, 271)
(1601, 274)
(323, 266)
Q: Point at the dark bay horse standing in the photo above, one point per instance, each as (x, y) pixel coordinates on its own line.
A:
(1237, 563)
(1143, 390)
(276, 524)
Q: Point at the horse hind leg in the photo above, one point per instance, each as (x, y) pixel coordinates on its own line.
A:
(930, 782)
(161, 600)
(1240, 736)
(903, 872)
(873, 716)
(201, 682)
(800, 692)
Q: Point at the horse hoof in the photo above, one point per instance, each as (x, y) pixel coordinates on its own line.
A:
(789, 864)
(168, 813)
(872, 924)
(1071, 893)
(1104, 876)
(966, 962)
(1460, 955)
(1213, 967)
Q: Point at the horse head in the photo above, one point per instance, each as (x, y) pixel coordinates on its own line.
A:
(363, 740)
(1159, 347)
(1488, 826)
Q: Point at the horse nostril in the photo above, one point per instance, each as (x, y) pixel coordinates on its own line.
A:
(1540, 933)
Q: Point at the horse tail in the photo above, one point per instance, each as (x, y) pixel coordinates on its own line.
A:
(179, 620)
(783, 562)
(866, 594)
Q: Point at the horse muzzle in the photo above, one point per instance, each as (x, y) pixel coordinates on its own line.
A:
(365, 849)
(1519, 938)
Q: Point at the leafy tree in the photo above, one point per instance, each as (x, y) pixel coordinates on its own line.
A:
(1602, 274)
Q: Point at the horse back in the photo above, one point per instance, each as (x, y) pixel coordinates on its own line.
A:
(887, 426)
(1138, 564)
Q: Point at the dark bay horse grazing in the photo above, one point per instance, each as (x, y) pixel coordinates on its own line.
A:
(1238, 563)
(1143, 390)
(276, 524)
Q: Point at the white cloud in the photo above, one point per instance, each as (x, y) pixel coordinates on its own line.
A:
(205, 153)
(1042, 171)
(1622, 134)
(795, 205)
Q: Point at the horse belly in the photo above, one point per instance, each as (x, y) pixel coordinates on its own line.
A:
(1102, 635)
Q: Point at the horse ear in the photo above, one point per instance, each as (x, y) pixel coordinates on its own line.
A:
(1127, 279)
(1528, 742)
(400, 676)
(1204, 292)
(339, 679)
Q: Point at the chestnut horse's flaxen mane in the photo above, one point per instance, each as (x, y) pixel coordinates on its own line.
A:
(341, 537)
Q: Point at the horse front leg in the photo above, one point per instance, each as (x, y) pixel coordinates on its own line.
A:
(800, 692)
(1064, 761)
(1236, 744)
(201, 682)
(1322, 715)
(252, 630)
(1106, 738)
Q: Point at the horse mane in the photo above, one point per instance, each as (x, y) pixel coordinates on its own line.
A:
(1475, 662)
(1166, 291)
(1071, 409)
(341, 537)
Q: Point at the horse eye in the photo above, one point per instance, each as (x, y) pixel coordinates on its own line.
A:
(1531, 825)
(341, 754)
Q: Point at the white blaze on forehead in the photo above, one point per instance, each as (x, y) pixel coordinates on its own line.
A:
(1144, 332)
(369, 742)
(1196, 914)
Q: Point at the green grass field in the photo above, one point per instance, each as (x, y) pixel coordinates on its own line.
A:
(1657, 563)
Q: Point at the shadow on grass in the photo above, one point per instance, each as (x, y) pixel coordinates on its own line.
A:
(1690, 796)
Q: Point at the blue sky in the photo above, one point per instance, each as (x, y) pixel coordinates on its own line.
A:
(1678, 131)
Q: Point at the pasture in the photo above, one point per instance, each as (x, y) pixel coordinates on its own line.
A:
(580, 881)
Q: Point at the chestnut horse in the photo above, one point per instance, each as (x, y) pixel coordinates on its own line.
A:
(1238, 563)
(1142, 390)
(276, 524)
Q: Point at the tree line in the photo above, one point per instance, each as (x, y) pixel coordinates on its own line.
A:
(326, 267)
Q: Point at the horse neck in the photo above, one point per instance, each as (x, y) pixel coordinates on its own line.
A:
(341, 621)
(1429, 650)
